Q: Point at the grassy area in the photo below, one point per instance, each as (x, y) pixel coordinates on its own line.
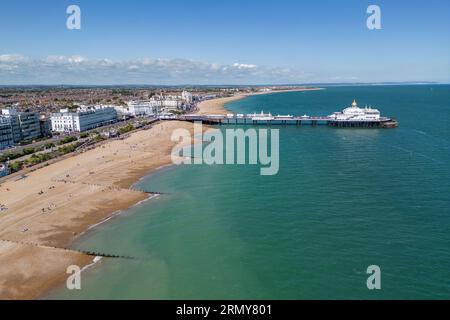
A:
(14, 155)
(42, 157)
(122, 130)
(67, 140)
(27, 151)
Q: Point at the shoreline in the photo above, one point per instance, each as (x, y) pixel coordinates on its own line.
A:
(80, 192)
(57, 204)
(217, 106)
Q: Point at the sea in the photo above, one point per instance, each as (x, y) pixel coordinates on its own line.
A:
(344, 199)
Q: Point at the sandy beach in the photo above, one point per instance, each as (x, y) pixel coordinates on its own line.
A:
(52, 206)
(55, 204)
(216, 106)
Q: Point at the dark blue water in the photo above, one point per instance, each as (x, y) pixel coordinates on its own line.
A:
(343, 199)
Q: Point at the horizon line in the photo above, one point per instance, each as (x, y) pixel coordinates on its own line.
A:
(231, 85)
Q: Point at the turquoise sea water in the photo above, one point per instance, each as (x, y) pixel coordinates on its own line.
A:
(343, 199)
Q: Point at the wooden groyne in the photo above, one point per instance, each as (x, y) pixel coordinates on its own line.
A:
(86, 252)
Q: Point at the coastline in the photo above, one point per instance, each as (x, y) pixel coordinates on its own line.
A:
(217, 106)
(55, 205)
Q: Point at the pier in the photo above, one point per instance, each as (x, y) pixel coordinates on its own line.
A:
(350, 117)
(382, 122)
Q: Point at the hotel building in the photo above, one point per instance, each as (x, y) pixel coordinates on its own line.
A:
(187, 97)
(24, 126)
(46, 126)
(6, 135)
(85, 118)
(142, 108)
(30, 126)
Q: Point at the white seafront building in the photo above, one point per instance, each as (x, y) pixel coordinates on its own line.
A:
(157, 104)
(85, 118)
(143, 108)
(187, 97)
(138, 108)
(354, 113)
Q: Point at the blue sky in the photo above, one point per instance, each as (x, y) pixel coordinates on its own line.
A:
(216, 42)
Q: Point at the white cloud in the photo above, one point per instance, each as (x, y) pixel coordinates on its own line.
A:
(76, 59)
(11, 58)
(244, 66)
(17, 69)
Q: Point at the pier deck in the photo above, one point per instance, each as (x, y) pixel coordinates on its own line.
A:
(297, 121)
